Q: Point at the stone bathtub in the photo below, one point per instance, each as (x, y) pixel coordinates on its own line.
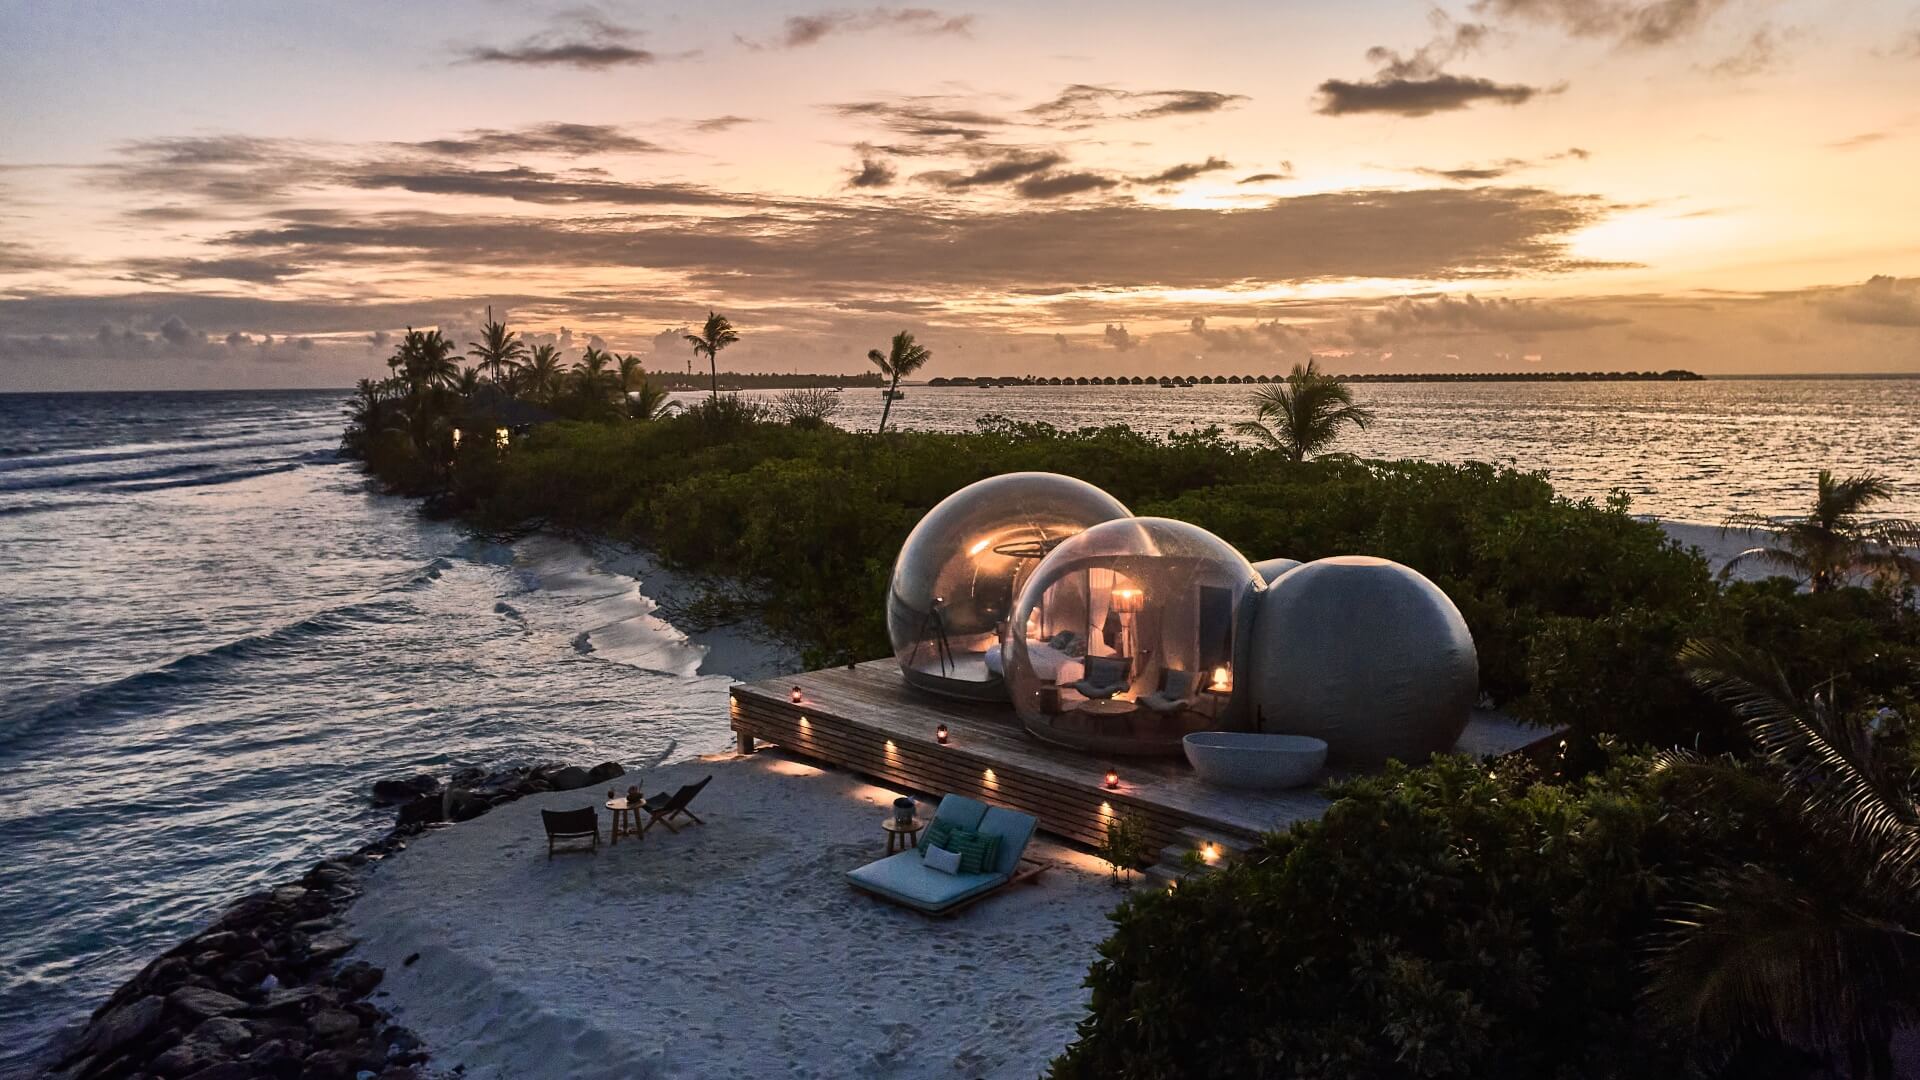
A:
(1247, 759)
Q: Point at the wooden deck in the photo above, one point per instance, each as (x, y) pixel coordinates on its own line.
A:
(866, 719)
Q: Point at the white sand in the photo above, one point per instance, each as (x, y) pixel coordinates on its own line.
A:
(1719, 548)
(730, 949)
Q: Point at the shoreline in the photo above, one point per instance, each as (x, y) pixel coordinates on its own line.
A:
(268, 986)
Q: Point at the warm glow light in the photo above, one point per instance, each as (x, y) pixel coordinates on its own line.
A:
(1210, 853)
(456, 438)
(1113, 780)
(1127, 601)
(940, 734)
(794, 695)
(978, 547)
(500, 436)
(1222, 678)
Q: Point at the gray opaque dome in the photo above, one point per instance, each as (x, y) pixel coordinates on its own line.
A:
(1271, 569)
(1366, 654)
(1120, 633)
(956, 576)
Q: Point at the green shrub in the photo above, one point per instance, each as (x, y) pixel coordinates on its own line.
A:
(1437, 922)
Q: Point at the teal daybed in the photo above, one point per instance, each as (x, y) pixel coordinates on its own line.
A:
(906, 878)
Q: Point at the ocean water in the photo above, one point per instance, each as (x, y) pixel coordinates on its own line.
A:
(213, 637)
(1693, 451)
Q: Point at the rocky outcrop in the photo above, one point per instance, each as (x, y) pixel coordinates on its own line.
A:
(263, 991)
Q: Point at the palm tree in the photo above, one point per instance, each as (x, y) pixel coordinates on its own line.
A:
(542, 372)
(425, 362)
(1833, 542)
(631, 372)
(499, 351)
(716, 335)
(902, 360)
(591, 374)
(1306, 412)
(1831, 960)
(649, 402)
(469, 383)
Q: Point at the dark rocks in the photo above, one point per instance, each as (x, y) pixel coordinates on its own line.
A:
(258, 993)
(113, 1030)
(201, 1003)
(226, 1070)
(328, 946)
(222, 1031)
(187, 1057)
(422, 811)
(358, 978)
(464, 805)
(390, 792)
(569, 778)
(333, 1024)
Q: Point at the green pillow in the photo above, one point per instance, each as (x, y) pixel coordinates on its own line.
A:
(935, 835)
(977, 850)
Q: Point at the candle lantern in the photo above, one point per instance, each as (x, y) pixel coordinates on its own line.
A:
(794, 695)
(1113, 780)
(940, 734)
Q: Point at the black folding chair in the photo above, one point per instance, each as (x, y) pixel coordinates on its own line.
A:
(572, 825)
(662, 810)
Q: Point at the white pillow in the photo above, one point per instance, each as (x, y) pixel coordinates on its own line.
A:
(939, 858)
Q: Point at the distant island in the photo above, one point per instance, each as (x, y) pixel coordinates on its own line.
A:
(763, 380)
(1675, 375)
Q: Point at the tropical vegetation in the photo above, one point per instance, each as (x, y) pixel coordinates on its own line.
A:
(1835, 540)
(716, 334)
(902, 358)
(1303, 415)
(1710, 875)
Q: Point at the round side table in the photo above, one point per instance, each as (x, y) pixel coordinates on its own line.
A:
(626, 820)
(901, 837)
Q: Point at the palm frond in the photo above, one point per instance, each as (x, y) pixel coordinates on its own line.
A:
(1845, 788)
(1760, 953)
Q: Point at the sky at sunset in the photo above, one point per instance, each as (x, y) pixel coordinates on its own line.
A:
(205, 194)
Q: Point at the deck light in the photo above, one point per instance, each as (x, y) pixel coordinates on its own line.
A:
(1113, 780)
(794, 695)
(940, 734)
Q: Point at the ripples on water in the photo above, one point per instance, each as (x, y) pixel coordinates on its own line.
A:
(215, 638)
(1686, 451)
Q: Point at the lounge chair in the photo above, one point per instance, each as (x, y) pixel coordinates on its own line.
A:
(571, 825)
(661, 810)
(1106, 676)
(906, 879)
(1176, 694)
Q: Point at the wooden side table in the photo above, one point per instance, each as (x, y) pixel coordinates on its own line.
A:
(626, 820)
(901, 837)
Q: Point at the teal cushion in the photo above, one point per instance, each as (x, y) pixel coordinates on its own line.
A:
(906, 879)
(977, 850)
(935, 835)
(1014, 831)
(961, 811)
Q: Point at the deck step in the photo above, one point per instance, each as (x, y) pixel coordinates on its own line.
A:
(1160, 877)
(1230, 847)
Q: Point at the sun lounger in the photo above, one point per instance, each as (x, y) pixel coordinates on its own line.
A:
(570, 825)
(661, 810)
(906, 879)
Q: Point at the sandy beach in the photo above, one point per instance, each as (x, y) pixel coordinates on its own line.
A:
(1718, 548)
(730, 949)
